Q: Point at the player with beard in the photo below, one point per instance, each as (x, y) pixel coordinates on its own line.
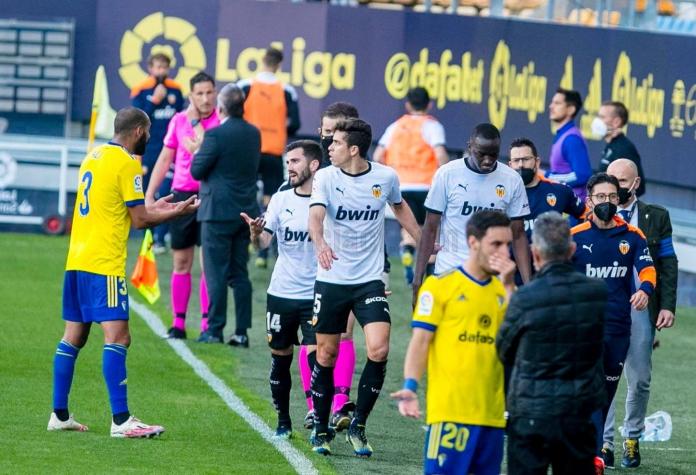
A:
(291, 291)
(109, 198)
(346, 225)
(183, 139)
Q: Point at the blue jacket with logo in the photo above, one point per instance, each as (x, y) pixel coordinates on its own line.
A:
(611, 255)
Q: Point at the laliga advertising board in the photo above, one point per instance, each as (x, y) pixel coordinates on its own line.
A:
(476, 69)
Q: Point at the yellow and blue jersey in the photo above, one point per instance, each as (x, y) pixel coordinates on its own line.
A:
(612, 254)
(110, 181)
(465, 376)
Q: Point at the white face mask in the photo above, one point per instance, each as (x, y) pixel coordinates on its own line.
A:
(599, 128)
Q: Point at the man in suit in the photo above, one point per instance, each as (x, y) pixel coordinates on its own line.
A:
(654, 222)
(227, 165)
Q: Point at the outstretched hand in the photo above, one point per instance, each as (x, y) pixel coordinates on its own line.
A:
(256, 225)
(187, 206)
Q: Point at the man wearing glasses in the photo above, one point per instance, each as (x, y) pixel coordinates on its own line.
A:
(543, 194)
(609, 248)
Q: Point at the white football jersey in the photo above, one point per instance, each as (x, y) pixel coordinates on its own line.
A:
(354, 223)
(295, 270)
(458, 191)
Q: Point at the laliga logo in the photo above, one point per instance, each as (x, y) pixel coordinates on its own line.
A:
(157, 33)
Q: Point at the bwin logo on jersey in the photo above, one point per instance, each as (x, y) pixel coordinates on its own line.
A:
(603, 272)
(500, 191)
(551, 199)
(624, 247)
(468, 209)
(377, 191)
(357, 214)
(300, 236)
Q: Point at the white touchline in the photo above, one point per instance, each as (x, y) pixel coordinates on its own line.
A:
(299, 462)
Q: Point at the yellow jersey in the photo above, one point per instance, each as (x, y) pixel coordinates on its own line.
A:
(110, 181)
(465, 376)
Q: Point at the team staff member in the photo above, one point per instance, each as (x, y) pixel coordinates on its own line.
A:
(455, 322)
(227, 164)
(655, 223)
(569, 162)
(414, 146)
(291, 292)
(160, 98)
(608, 125)
(273, 108)
(543, 194)
(462, 187)
(552, 337)
(183, 139)
(346, 224)
(608, 248)
(109, 198)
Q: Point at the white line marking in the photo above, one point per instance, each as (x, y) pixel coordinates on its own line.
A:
(299, 462)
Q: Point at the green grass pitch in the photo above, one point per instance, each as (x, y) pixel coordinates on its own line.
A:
(203, 434)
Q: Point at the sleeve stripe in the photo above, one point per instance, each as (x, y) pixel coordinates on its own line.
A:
(423, 325)
(269, 231)
(434, 211)
(666, 248)
(563, 177)
(132, 203)
(318, 204)
(648, 274)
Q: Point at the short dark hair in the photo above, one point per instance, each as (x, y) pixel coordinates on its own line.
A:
(128, 119)
(524, 142)
(231, 100)
(419, 98)
(201, 77)
(619, 109)
(480, 221)
(572, 98)
(272, 57)
(358, 132)
(341, 110)
(310, 149)
(599, 178)
(486, 131)
(159, 57)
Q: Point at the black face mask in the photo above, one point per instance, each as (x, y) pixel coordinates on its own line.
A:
(624, 195)
(527, 175)
(605, 211)
(325, 143)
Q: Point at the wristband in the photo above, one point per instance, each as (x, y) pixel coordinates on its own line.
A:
(411, 384)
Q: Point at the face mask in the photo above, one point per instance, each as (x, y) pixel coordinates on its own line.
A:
(325, 143)
(527, 175)
(605, 211)
(599, 128)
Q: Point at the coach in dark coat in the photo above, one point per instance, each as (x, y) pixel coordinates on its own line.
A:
(552, 337)
(227, 166)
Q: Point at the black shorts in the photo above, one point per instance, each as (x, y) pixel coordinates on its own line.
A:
(284, 317)
(334, 302)
(271, 173)
(416, 201)
(185, 230)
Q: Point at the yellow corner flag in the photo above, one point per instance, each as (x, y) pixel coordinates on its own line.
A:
(144, 276)
(102, 121)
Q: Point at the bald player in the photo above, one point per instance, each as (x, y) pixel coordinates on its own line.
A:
(654, 221)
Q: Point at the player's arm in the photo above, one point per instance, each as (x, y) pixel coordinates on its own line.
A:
(260, 235)
(293, 108)
(149, 215)
(426, 247)
(379, 155)
(414, 367)
(520, 249)
(441, 155)
(406, 219)
(164, 161)
(325, 254)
